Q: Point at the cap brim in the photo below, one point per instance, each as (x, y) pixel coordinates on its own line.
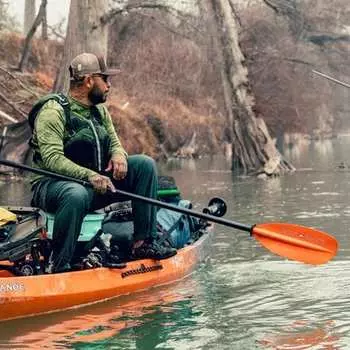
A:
(111, 72)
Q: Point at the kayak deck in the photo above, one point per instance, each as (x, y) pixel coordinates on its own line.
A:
(23, 296)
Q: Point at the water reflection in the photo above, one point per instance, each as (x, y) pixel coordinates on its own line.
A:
(323, 148)
(319, 154)
(150, 317)
(303, 335)
(296, 151)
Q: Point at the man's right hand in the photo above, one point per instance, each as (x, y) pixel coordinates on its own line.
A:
(101, 183)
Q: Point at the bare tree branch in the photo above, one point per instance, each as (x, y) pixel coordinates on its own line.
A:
(167, 27)
(56, 33)
(281, 58)
(274, 7)
(12, 105)
(8, 117)
(19, 82)
(108, 17)
(39, 18)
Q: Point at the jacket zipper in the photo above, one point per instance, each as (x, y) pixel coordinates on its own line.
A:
(97, 144)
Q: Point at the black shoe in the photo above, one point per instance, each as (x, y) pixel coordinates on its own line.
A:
(153, 250)
(120, 252)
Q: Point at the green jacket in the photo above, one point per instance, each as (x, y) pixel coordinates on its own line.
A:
(50, 135)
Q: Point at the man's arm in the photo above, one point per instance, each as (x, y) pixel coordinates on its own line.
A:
(49, 132)
(118, 163)
(116, 146)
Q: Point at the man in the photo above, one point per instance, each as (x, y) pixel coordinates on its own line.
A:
(87, 147)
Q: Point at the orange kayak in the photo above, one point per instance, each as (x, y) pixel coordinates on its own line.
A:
(23, 296)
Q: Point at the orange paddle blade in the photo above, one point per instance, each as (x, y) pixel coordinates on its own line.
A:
(296, 242)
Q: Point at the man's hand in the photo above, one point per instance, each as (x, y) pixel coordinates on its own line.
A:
(101, 183)
(119, 165)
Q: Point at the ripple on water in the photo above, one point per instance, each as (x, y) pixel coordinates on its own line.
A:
(325, 194)
(287, 304)
(317, 214)
(246, 298)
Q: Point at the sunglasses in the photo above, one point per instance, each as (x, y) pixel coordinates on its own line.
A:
(104, 77)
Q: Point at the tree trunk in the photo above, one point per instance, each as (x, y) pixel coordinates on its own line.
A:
(217, 55)
(85, 33)
(29, 37)
(44, 34)
(29, 16)
(253, 149)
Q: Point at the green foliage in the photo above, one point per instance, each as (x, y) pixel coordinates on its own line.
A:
(7, 21)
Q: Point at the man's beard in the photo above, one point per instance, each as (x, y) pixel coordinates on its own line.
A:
(96, 95)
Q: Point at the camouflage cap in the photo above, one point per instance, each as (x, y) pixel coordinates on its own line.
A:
(89, 63)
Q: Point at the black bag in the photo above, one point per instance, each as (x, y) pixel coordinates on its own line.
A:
(119, 224)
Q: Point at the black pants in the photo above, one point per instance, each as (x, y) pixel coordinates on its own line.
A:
(70, 202)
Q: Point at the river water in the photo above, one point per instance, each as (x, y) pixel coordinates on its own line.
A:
(244, 297)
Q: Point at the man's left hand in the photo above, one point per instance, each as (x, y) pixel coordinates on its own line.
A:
(119, 165)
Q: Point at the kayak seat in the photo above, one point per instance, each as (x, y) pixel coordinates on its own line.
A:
(28, 229)
(116, 220)
(91, 224)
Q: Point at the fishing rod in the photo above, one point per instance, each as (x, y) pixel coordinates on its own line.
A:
(330, 78)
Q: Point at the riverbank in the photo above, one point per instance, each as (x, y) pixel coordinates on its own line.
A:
(164, 126)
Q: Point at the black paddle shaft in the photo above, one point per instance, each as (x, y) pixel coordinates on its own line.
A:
(155, 202)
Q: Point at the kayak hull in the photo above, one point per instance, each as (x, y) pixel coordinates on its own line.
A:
(32, 295)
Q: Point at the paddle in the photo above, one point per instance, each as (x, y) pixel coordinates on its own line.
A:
(288, 240)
